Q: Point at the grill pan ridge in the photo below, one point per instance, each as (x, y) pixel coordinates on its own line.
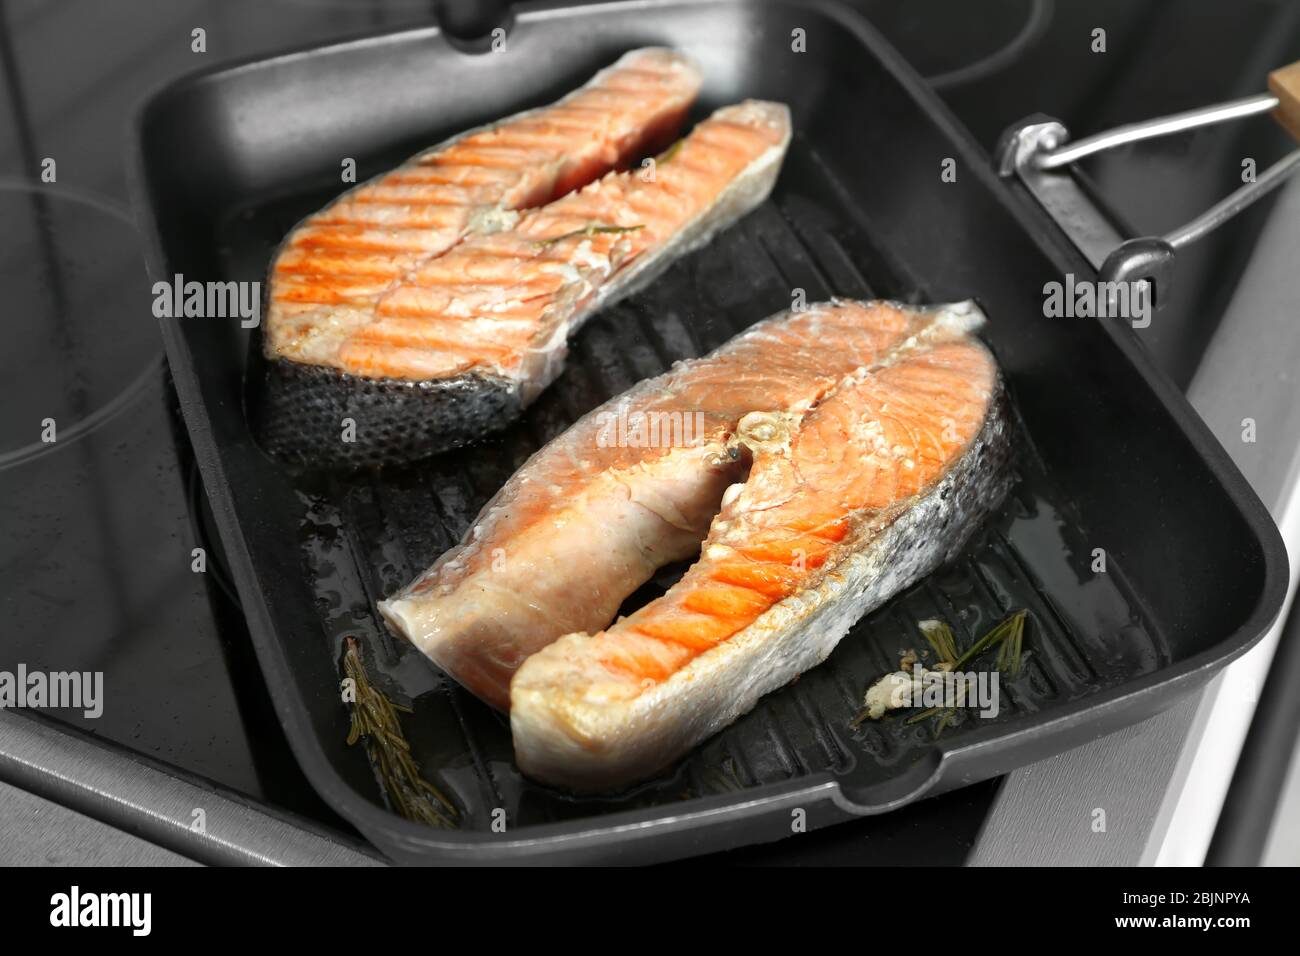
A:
(1109, 456)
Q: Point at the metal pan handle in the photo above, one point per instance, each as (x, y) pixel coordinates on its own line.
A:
(1039, 151)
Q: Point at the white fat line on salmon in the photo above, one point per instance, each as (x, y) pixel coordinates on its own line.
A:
(637, 429)
(77, 909)
(53, 690)
(950, 322)
(1087, 299)
(935, 688)
(208, 300)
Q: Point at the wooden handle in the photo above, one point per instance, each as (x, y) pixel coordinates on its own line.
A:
(1284, 83)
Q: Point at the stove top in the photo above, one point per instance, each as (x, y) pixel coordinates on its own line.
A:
(100, 499)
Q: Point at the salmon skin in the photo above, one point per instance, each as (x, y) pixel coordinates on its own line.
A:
(834, 456)
(432, 304)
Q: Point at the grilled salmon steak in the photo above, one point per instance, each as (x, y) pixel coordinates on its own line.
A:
(432, 304)
(817, 464)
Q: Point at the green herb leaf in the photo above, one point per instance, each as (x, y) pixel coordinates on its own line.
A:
(1012, 644)
(940, 637)
(1012, 625)
(374, 717)
(925, 715)
(1008, 636)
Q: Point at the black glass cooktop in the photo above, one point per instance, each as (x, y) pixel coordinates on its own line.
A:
(100, 523)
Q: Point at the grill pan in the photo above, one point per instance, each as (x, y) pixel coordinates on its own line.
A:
(1111, 456)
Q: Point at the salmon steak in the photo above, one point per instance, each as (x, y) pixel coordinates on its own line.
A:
(814, 466)
(430, 305)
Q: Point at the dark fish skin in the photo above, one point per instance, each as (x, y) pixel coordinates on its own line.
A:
(298, 412)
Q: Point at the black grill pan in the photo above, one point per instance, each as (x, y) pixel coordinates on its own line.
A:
(1111, 456)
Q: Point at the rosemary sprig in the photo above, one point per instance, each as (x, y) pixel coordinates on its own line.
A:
(1007, 636)
(940, 637)
(1008, 627)
(1011, 651)
(943, 721)
(587, 231)
(945, 715)
(925, 715)
(374, 717)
